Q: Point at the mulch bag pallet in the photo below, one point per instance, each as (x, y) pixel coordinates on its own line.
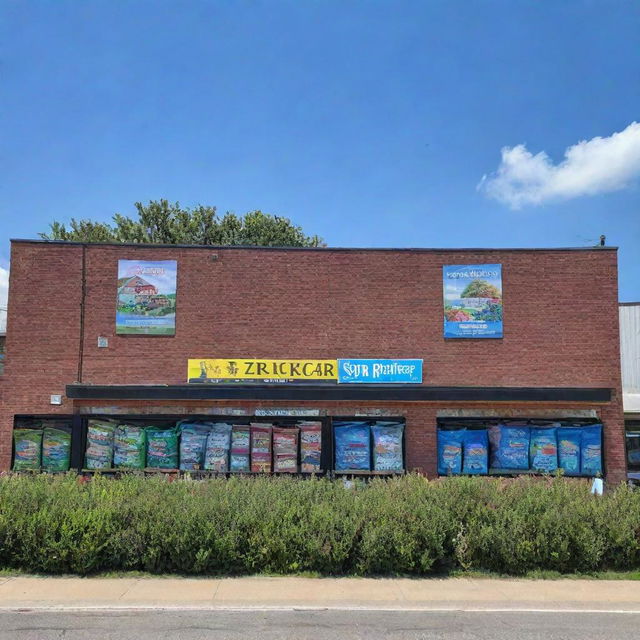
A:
(260, 448)
(387, 446)
(544, 449)
(27, 449)
(310, 446)
(239, 458)
(569, 445)
(576, 450)
(475, 452)
(193, 442)
(509, 447)
(285, 449)
(591, 450)
(56, 449)
(129, 447)
(216, 456)
(162, 448)
(99, 451)
(450, 451)
(352, 446)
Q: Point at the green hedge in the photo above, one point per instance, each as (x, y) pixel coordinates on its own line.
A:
(61, 524)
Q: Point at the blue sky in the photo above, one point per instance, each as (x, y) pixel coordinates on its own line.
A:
(368, 123)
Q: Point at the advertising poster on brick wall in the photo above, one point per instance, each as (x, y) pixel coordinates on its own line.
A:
(472, 300)
(146, 300)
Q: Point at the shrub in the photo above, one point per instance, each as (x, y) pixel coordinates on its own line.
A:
(406, 525)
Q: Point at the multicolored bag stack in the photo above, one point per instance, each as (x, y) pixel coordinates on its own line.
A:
(216, 457)
(193, 441)
(56, 449)
(310, 446)
(387, 446)
(129, 447)
(260, 448)
(27, 449)
(99, 452)
(285, 449)
(162, 448)
(240, 448)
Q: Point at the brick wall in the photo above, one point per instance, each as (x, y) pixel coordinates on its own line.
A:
(560, 322)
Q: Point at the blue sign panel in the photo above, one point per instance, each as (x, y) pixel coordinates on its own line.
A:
(472, 300)
(384, 371)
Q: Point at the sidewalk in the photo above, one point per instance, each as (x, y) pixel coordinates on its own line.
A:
(323, 593)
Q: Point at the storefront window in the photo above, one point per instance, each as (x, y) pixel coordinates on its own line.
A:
(633, 447)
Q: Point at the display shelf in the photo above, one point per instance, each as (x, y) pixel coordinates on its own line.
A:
(361, 472)
(513, 473)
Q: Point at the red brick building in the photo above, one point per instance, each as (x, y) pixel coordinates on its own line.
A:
(558, 359)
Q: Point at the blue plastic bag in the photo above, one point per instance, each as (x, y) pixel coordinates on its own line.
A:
(353, 446)
(509, 447)
(591, 453)
(569, 445)
(475, 452)
(387, 446)
(450, 451)
(544, 449)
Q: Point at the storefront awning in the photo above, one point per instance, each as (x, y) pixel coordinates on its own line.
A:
(375, 392)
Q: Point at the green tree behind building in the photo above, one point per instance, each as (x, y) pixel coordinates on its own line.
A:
(161, 222)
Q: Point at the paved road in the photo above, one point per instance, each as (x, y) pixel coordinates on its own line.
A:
(314, 625)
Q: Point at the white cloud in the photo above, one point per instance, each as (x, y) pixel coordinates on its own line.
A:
(592, 166)
(4, 292)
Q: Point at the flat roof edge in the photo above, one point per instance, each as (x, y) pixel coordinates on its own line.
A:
(141, 245)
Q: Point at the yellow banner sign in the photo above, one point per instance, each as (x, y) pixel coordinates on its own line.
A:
(204, 370)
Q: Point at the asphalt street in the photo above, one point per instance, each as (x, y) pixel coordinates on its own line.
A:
(326, 624)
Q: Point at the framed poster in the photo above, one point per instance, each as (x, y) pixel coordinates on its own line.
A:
(146, 300)
(472, 300)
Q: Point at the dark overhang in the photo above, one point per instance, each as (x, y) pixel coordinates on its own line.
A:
(371, 393)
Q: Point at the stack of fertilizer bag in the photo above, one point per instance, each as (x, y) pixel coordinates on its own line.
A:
(27, 449)
(518, 447)
(162, 448)
(129, 447)
(216, 456)
(48, 449)
(56, 448)
(115, 445)
(463, 451)
(387, 446)
(352, 446)
(285, 449)
(193, 444)
(260, 448)
(239, 459)
(99, 452)
(310, 446)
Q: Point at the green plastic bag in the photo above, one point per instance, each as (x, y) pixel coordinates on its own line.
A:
(162, 448)
(27, 448)
(56, 449)
(129, 447)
